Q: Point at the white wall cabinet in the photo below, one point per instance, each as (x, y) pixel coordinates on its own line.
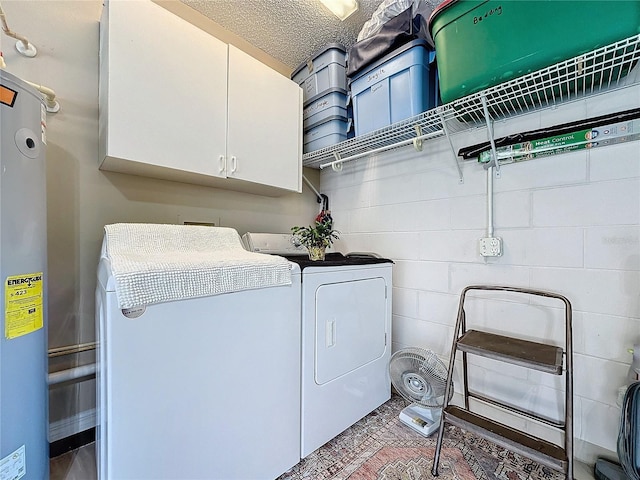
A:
(264, 110)
(178, 104)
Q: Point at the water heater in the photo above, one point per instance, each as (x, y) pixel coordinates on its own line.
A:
(24, 446)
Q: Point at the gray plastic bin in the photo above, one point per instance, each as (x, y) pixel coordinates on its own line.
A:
(326, 69)
(328, 132)
(330, 103)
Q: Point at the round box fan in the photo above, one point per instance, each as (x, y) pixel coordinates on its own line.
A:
(420, 377)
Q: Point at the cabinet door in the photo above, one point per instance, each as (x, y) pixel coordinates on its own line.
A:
(264, 142)
(163, 93)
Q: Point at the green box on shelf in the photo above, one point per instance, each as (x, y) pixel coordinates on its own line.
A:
(482, 43)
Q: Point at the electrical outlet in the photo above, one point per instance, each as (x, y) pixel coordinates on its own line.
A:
(201, 224)
(205, 221)
(490, 246)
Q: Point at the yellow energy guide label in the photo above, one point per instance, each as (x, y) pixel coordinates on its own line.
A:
(23, 304)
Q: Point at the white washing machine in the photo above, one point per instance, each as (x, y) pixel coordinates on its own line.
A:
(200, 388)
(346, 336)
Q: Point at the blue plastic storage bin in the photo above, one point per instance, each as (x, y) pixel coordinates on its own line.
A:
(325, 133)
(332, 102)
(396, 87)
(325, 70)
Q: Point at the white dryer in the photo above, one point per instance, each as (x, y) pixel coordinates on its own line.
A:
(346, 337)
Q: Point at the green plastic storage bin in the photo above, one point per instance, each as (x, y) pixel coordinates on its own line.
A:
(481, 43)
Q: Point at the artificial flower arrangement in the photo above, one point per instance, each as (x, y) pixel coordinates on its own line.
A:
(317, 237)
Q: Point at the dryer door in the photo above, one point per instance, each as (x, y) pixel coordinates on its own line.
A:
(350, 326)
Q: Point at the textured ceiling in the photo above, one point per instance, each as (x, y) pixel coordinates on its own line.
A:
(288, 30)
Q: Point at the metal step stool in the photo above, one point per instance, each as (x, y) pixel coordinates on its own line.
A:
(533, 355)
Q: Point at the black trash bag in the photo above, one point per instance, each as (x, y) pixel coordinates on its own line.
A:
(396, 32)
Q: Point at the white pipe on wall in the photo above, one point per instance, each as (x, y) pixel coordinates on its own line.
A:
(28, 50)
(490, 201)
(49, 97)
(23, 46)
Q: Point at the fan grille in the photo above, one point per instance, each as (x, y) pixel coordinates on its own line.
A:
(419, 376)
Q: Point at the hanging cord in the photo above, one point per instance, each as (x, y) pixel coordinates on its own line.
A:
(629, 434)
(325, 202)
(325, 214)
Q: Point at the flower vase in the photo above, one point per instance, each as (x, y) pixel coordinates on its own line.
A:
(316, 253)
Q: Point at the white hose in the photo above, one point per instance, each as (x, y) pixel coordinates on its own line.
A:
(49, 97)
(23, 46)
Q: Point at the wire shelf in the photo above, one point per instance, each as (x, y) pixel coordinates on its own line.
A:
(578, 77)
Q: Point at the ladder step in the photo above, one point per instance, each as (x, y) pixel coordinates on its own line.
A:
(538, 356)
(553, 422)
(536, 449)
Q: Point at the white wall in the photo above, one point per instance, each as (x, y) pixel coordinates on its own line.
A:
(570, 224)
(81, 199)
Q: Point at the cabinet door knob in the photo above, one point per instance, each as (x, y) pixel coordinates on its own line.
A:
(221, 163)
(234, 164)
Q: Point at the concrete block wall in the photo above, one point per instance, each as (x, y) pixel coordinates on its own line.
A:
(570, 224)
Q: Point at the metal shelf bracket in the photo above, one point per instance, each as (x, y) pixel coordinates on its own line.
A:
(453, 150)
(313, 189)
(417, 142)
(336, 165)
